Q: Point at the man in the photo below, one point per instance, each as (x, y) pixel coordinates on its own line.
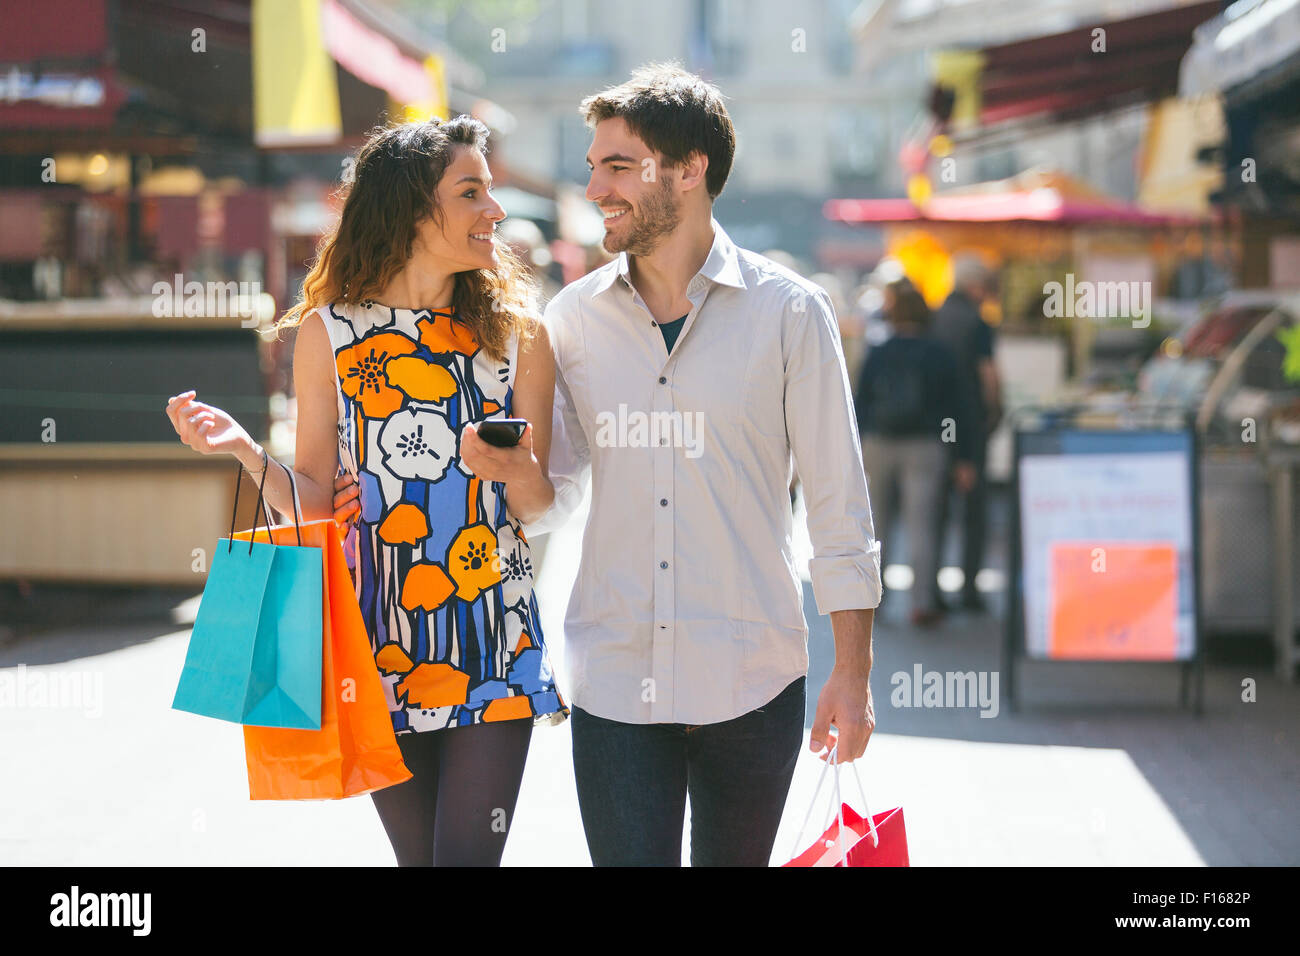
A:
(959, 325)
(692, 376)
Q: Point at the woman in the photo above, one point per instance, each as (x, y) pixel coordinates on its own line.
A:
(907, 402)
(415, 325)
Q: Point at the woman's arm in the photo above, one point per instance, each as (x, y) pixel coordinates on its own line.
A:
(528, 490)
(316, 452)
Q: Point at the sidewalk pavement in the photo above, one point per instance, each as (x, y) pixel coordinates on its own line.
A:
(1098, 767)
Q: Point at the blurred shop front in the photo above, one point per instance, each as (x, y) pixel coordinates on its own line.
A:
(1158, 152)
(1247, 348)
(166, 172)
(1248, 59)
(1034, 229)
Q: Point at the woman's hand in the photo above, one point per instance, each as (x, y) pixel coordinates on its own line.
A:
(206, 428)
(498, 464)
(347, 499)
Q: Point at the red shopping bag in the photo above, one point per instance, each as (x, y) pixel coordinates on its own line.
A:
(853, 839)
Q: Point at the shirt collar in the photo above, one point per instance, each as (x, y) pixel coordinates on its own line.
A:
(721, 266)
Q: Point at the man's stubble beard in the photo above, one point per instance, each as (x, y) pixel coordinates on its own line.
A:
(660, 215)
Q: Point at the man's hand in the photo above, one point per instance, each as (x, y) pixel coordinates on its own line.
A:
(963, 476)
(347, 500)
(845, 700)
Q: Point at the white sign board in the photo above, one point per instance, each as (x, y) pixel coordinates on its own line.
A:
(1106, 547)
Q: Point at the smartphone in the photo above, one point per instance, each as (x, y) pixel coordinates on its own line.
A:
(502, 432)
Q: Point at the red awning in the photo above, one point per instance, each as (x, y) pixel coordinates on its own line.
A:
(371, 56)
(54, 31)
(1039, 205)
(1061, 75)
(55, 69)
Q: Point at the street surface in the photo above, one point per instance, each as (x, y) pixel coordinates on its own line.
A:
(1098, 768)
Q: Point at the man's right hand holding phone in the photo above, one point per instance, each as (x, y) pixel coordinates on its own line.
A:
(347, 500)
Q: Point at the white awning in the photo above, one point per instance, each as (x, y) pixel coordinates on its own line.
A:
(1247, 39)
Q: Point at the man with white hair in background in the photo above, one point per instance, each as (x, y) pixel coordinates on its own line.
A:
(959, 325)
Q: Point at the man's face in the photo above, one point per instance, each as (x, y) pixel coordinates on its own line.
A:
(636, 194)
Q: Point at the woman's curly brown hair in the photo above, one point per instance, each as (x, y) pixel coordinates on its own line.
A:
(392, 190)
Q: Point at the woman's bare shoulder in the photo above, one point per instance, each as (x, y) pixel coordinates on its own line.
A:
(313, 353)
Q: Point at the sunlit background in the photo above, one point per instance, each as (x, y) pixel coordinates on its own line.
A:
(167, 168)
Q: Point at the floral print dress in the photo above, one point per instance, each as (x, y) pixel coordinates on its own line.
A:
(442, 570)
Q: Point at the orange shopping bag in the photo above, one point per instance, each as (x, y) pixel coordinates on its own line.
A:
(355, 751)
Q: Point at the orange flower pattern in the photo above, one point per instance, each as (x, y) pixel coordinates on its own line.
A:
(442, 570)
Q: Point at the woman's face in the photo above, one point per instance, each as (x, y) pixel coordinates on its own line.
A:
(464, 240)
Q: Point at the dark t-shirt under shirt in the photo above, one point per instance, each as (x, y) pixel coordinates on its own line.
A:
(671, 330)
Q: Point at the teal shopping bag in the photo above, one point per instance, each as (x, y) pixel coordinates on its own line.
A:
(255, 650)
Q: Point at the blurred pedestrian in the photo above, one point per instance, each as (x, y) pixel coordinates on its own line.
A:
(868, 321)
(959, 325)
(525, 239)
(907, 399)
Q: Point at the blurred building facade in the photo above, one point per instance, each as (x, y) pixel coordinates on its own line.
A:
(807, 123)
(133, 146)
(166, 173)
(824, 95)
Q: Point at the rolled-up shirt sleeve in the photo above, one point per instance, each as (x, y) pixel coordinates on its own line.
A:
(569, 465)
(823, 433)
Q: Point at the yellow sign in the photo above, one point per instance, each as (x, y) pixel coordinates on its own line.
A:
(436, 107)
(295, 91)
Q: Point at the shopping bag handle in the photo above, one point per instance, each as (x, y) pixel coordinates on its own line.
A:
(832, 760)
(293, 487)
(261, 504)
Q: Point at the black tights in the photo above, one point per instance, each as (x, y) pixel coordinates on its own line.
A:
(457, 807)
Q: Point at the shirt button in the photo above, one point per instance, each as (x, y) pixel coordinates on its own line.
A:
(662, 380)
(653, 322)
(663, 502)
(663, 564)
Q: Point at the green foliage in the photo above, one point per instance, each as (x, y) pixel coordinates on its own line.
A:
(1290, 339)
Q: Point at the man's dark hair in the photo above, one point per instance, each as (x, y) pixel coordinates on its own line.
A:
(675, 113)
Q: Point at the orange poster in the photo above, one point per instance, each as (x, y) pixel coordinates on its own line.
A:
(1113, 601)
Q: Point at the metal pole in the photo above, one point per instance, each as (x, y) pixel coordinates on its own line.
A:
(1282, 476)
(1013, 631)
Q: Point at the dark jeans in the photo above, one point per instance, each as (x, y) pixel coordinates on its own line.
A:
(633, 780)
(460, 801)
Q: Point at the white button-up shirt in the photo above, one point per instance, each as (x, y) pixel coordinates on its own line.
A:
(688, 607)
